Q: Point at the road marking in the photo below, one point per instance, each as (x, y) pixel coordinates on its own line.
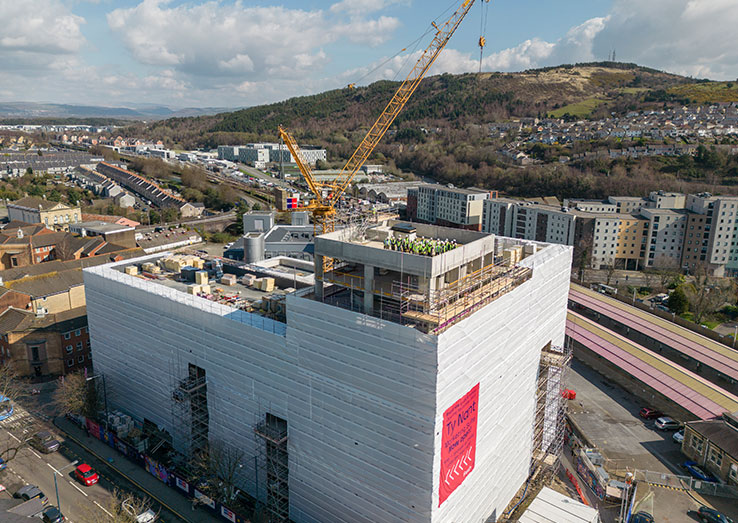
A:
(11, 435)
(101, 508)
(34, 453)
(52, 468)
(77, 487)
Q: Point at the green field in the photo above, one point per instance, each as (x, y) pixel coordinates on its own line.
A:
(580, 109)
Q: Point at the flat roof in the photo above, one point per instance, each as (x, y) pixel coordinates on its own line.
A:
(685, 388)
(701, 348)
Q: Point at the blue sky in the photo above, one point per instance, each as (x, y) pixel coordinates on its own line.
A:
(228, 53)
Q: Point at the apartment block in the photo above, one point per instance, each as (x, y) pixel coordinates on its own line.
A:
(446, 206)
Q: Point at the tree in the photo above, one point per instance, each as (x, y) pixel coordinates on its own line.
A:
(241, 209)
(75, 395)
(11, 388)
(218, 466)
(706, 293)
(122, 507)
(678, 302)
(64, 250)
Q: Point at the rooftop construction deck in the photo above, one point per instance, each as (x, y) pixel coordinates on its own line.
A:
(421, 275)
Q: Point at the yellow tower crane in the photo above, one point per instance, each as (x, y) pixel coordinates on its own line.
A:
(327, 194)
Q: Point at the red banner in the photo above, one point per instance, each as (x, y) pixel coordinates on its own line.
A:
(458, 443)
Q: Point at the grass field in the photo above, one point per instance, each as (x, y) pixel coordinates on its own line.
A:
(579, 109)
(708, 92)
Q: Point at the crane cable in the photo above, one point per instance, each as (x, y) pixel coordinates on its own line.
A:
(414, 44)
(482, 30)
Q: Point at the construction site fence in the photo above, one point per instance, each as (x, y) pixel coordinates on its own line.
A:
(170, 478)
(676, 482)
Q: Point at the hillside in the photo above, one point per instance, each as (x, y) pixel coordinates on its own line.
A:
(456, 100)
(442, 132)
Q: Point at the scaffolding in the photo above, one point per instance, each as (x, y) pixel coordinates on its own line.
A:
(435, 311)
(548, 427)
(190, 416)
(550, 413)
(271, 435)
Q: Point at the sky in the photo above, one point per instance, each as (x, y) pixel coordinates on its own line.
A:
(239, 53)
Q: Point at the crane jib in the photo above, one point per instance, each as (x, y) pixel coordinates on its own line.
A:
(325, 205)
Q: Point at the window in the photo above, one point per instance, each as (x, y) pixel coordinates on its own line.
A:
(79, 345)
(70, 363)
(78, 332)
(69, 349)
(733, 472)
(88, 344)
(81, 359)
(696, 443)
(715, 456)
(67, 335)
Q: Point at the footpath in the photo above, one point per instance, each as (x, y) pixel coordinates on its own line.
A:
(165, 496)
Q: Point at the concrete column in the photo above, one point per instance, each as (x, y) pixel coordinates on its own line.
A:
(319, 276)
(368, 289)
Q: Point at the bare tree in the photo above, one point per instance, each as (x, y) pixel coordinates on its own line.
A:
(75, 395)
(64, 250)
(219, 465)
(706, 293)
(122, 507)
(11, 389)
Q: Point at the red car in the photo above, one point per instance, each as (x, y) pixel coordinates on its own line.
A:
(649, 413)
(85, 474)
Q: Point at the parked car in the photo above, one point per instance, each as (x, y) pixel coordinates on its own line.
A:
(678, 437)
(52, 515)
(710, 515)
(649, 413)
(3, 465)
(642, 517)
(27, 492)
(696, 472)
(45, 442)
(667, 423)
(86, 475)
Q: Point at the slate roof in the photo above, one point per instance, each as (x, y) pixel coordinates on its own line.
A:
(719, 432)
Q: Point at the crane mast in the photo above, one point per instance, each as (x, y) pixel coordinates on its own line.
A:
(327, 194)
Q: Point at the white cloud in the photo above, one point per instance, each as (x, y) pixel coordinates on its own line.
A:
(38, 27)
(690, 37)
(222, 39)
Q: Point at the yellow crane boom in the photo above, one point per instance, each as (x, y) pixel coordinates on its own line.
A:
(328, 194)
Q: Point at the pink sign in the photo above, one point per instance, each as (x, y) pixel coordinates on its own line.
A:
(458, 443)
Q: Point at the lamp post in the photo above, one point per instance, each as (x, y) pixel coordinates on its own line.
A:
(56, 486)
(105, 395)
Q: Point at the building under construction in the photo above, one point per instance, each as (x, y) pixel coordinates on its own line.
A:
(418, 380)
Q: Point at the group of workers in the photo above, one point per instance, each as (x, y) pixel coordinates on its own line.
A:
(422, 246)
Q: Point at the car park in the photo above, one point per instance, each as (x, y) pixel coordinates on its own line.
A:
(710, 515)
(27, 492)
(86, 475)
(696, 472)
(52, 515)
(649, 413)
(45, 442)
(667, 423)
(678, 437)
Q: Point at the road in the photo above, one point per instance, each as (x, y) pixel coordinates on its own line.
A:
(78, 503)
(608, 415)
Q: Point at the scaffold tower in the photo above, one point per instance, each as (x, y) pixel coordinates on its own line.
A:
(272, 434)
